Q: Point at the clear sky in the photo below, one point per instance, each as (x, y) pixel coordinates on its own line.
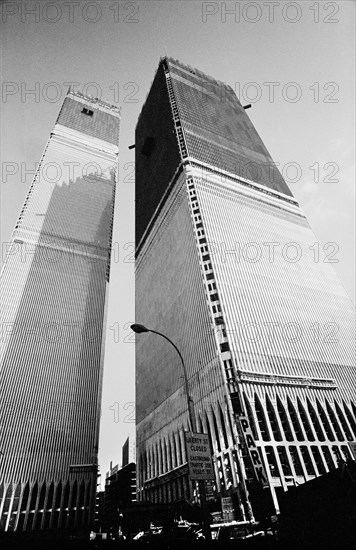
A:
(294, 61)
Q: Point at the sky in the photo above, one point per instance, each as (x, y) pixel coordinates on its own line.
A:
(293, 61)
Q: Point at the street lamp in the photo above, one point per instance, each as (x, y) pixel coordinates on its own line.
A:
(138, 329)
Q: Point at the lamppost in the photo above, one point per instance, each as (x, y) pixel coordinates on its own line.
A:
(138, 329)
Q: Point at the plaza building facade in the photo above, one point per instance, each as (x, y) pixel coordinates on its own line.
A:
(229, 269)
(54, 293)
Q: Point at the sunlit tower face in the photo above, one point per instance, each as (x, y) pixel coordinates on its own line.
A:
(54, 291)
(227, 268)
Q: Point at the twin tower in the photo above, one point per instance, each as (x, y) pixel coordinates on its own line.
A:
(226, 267)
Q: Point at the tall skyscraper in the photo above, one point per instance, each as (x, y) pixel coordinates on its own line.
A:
(229, 269)
(54, 292)
(128, 451)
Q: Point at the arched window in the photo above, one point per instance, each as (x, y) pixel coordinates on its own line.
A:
(347, 453)
(154, 459)
(170, 452)
(58, 495)
(307, 461)
(81, 504)
(325, 422)
(162, 450)
(88, 493)
(7, 498)
(222, 420)
(145, 465)
(38, 521)
(272, 463)
(141, 470)
(337, 454)
(284, 420)
(282, 453)
(25, 497)
(15, 505)
(217, 438)
(199, 426)
(74, 494)
(315, 421)
(30, 519)
(182, 444)
(65, 506)
(158, 463)
(33, 497)
(318, 460)
(295, 421)
(209, 432)
(179, 452)
(261, 418)
(66, 496)
(305, 421)
(350, 418)
(250, 416)
(273, 420)
(81, 495)
(20, 522)
(342, 419)
(50, 496)
(228, 415)
(296, 461)
(174, 452)
(328, 458)
(334, 422)
(165, 455)
(73, 503)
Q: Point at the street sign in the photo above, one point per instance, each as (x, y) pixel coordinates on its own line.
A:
(199, 456)
(227, 508)
(209, 489)
(256, 461)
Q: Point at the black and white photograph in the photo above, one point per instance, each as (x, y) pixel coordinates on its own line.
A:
(177, 343)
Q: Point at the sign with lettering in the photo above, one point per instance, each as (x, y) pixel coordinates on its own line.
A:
(210, 489)
(255, 457)
(199, 456)
(227, 508)
(82, 468)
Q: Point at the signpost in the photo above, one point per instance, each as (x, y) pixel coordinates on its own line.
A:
(199, 455)
(200, 466)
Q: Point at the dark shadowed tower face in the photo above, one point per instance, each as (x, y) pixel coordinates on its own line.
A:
(54, 287)
(212, 127)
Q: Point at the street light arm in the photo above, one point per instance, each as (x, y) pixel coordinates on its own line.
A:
(206, 520)
(191, 410)
(175, 347)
